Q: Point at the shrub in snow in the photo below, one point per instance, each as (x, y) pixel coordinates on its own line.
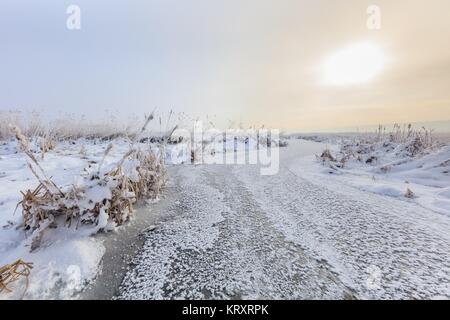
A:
(328, 159)
(103, 196)
(409, 194)
(46, 143)
(382, 149)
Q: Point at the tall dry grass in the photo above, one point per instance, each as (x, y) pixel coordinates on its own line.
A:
(104, 197)
(67, 127)
(401, 141)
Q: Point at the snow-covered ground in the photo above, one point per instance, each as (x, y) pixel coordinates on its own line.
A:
(67, 258)
(228, 232)
(390, 169)
(299, 234)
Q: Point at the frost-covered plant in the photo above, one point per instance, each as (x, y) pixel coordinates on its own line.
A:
(103, 196)
(66, 127)
(399, 145)
(409, 194)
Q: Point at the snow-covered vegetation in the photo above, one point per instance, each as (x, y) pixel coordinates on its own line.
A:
(57, 191)
(103, 195)
(66, 127)
(62, 184)
(402, 162)
(66, 180)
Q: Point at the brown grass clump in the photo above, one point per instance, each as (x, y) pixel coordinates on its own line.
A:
(12, 272)
(104, 198)
(327, 156)
(328, 159)
(46, 144)
(409, 194)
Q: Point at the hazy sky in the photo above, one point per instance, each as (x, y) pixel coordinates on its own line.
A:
(255, 61)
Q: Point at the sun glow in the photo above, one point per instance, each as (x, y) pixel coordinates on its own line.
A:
(355, 64)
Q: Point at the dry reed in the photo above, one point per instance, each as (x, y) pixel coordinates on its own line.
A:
(104, 198)
(13, 272)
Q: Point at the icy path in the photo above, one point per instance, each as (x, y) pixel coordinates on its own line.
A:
(236, 234)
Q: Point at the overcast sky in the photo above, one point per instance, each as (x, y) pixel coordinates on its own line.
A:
(255, 61)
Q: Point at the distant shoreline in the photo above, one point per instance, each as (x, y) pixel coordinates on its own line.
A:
(442, 126)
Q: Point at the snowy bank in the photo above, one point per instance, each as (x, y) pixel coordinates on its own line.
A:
(414, 167)
(67, 258)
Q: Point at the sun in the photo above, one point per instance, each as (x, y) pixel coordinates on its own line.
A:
(355, 64)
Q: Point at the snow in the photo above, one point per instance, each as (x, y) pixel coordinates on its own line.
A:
(60, 269)
(217, 246)
(301, 234)
(427, 176)
(307, 232)
(68, 258)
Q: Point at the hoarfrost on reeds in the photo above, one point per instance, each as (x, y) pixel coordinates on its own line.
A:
(401, 144)
(103, 195)
(11, 273)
